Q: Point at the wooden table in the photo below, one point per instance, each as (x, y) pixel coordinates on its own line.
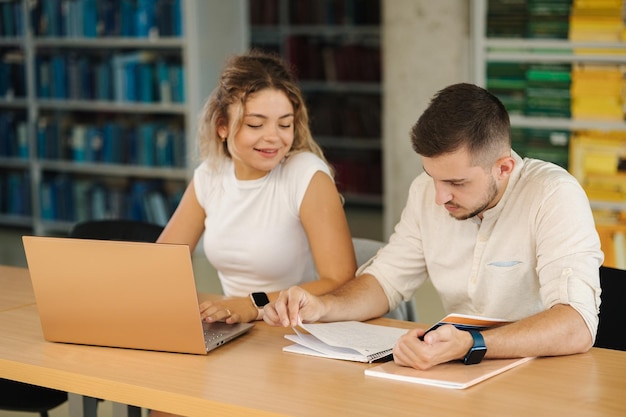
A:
(15, 288)
(251, 376)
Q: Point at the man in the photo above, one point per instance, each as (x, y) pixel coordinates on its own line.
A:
(498, 236)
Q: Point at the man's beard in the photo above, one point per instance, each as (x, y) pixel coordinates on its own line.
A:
(492, 192)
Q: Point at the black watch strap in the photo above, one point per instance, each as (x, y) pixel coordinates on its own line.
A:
(477, 351)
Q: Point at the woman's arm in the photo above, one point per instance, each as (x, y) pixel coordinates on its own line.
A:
(187, 223)
(326, 226)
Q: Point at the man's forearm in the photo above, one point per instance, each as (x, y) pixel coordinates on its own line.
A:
(359, 299)
(560, 330)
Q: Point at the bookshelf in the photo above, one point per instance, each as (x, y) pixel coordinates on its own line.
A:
(334, 47)
(99, 112)
(558, 66)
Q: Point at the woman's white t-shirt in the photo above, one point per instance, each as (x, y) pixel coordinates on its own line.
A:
(253, 234)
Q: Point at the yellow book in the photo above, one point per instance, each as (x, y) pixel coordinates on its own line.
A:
(595, 36)
(594, 158)
(597, 4)
(615, 115)
(600, 51)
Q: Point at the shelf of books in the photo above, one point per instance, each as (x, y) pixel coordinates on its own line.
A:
(98, 115)
(558, 66)
(334, 47)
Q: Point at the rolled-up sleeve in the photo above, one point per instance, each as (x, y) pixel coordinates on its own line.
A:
(569, 254)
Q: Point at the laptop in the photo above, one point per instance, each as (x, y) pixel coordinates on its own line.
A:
(121, 294)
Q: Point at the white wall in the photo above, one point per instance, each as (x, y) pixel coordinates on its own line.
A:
(425, 48)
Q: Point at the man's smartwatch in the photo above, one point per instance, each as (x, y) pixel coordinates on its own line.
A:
(259, 299)
(477, 351)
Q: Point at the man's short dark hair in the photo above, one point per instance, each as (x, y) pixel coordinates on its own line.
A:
(463, 115)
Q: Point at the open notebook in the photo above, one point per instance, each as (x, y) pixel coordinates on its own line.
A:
(120, 294)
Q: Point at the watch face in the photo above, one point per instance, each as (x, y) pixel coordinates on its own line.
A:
(475, 355)
(260, 299)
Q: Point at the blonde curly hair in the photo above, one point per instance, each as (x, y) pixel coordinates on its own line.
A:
(242, 76)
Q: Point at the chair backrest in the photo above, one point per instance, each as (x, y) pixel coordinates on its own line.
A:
(364, 250)
(118, 229)
(612, 324)
(19, 396)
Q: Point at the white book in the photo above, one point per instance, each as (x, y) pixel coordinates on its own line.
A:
(345, 340)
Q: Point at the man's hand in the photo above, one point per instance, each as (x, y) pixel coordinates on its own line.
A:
(441, 345)
(293, 304)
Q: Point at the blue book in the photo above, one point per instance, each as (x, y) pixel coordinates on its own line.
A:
(131, 147)
(131, 80)
(112, 143)
(18, 19)
(70, 18)
(86, 74)
(138, 191)
(44, 72)
(73, 77)
(62, 188)
(104, 81)
(42, 125)
(163, 81)
(98, 202)
(164, 148)
(164, 15)
(79, 143)
(127, 18)
(6, 132)
(145, 78)
(15, 196)
(117, 204)
(47, 200)
(177, 81)
(22, 140)
(147, 144)
(108, 17)
(90, 18)
(80, 195)
(145, 13)
(180, 157)
(52, 13)
(124, 76)
(49, 144)
(177, 18)
(93, 137)
(8, 28)
(5, 71)
(59, 77)
(156, 208)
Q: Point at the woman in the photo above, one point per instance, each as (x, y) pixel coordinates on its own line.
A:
(264, 195)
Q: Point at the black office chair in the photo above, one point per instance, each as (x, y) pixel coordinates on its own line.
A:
(612, 316)
(19, 396)
(118, 229)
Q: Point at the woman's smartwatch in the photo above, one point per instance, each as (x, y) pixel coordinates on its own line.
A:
(259, 299)
(477, 351)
